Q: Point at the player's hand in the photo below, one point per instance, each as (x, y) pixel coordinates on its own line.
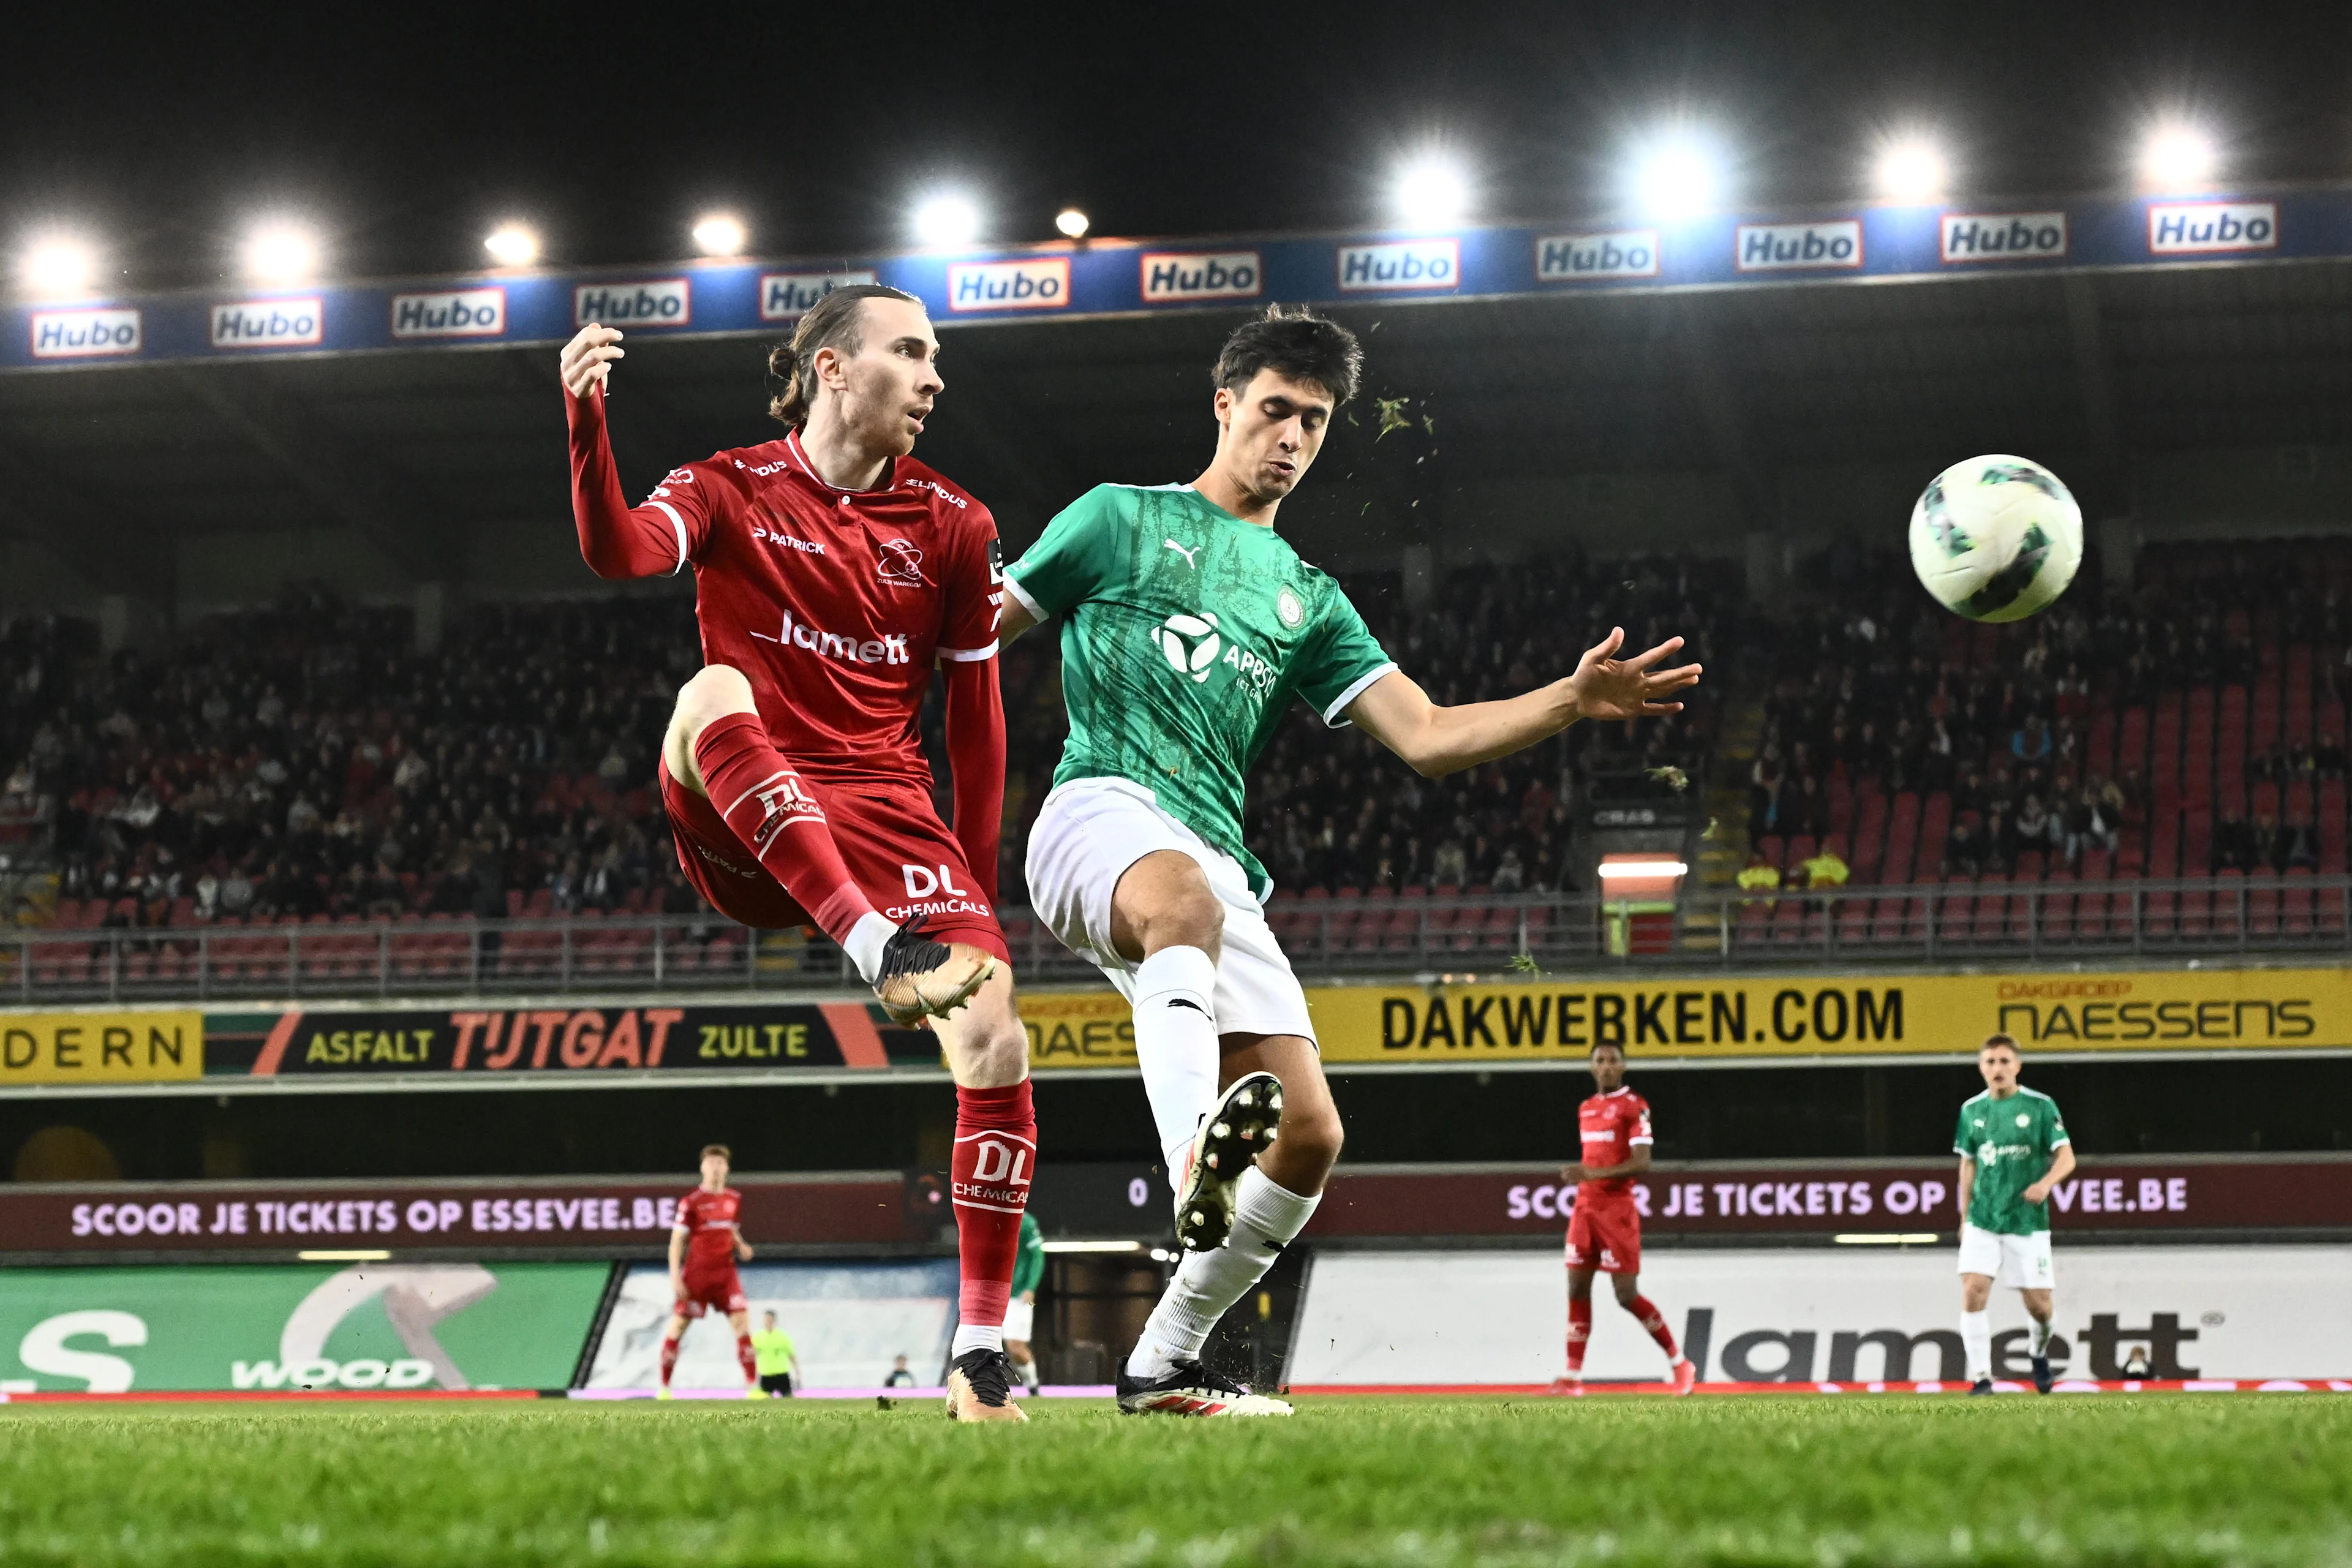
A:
(1571, 1173)
(2038, 1192)
(1607, 687)
(744, 1249)
(588, 358)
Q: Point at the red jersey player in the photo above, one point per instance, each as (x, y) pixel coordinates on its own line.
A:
(1605, 1226)
(703, 1246)
(832, 571)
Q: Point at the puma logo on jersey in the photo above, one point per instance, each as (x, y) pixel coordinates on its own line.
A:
(1186, 555)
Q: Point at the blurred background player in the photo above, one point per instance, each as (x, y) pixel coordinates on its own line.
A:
(901, 1375)
(2013, 1148)
(704, 1244)
(1190, 627)
(832, 571)
(1604, 1225)
(1021, 1316)
(779, 1361)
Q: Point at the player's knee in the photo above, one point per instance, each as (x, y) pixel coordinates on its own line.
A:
(716, 691)
(1312, 1137)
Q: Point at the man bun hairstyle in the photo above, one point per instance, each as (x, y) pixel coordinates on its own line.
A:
(1296, 344)
(718, 1149)
(835, 322)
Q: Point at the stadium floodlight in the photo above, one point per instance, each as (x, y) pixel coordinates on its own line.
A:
(1073, 223)
(947, 218)
(1911, 172)
(280, 253)
(2177, 157)
(59, 268)
(1432, 192)
(720, 235)
(1676, 177)
(511, 244)
(1611, 869)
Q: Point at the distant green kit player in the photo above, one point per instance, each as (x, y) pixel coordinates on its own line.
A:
(1190, 627)
(1021, 1313)
(2013, 1148)
(779, 1363)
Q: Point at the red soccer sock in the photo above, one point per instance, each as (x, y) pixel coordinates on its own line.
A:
(743, 1353)
(1650, 1318)
(995, 1158)
(668, 1360)
(765, 804)
(1579, 1329)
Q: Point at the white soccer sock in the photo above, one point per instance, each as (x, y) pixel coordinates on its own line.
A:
(975, 1337)
(866, 942)
(1176, 1044)
(1975, 1337)
(2041, 1332)
(1265, 1217)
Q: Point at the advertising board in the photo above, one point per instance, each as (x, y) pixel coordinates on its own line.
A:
(849, 1321)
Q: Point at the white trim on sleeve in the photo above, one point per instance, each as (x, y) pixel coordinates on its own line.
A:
(967, 655)
(1340, 704)
(1013, 586)
(679, 523)
(1629, 1141)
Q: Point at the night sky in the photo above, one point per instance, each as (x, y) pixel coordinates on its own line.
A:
(404, 133)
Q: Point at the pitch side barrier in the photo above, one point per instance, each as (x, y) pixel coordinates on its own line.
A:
(1116, 276)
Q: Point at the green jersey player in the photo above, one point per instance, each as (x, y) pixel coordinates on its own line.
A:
(1189, 627)
(2013, 1148)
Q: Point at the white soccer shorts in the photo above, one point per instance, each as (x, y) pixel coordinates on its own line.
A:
(1020, 1317)
(1087, 835)
(2015, 1262)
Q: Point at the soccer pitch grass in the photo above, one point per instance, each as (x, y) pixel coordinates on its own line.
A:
(2101, 1479)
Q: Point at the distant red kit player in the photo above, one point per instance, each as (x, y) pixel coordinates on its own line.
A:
(1605, 1226)
(704, 1242)
(833, 573)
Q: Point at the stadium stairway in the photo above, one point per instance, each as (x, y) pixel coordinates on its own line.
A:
(1722, 843)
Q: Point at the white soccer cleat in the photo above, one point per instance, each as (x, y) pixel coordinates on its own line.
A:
(1191, 1389)
(1240, 1126)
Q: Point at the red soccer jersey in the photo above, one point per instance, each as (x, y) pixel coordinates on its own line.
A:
(1611, 1125)
(834, 603)
(710, 1220)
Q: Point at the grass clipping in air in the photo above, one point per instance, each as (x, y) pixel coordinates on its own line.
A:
(2108, 1480)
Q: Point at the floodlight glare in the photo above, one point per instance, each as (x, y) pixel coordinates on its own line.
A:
(947, 219)
(1073, 223)
(513, 246)
(719, 234)
(1431, 192)
(280, 253)
(1675, 179)
(1911, 172)
(2177, 157)
(59, 267)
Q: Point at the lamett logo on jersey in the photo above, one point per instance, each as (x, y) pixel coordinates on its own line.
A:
(1588, 258)
(77, 334)
(269, 323)
(785, 295)
(1038, 283)
(890, 649)
(663, 303)
(2002, 236)
(458, 313)
(1172, 277)
(2201, 228)
(1786, 247)
(1400, 264)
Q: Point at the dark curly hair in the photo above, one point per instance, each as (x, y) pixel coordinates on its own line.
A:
(835, 322)
(1297, 345)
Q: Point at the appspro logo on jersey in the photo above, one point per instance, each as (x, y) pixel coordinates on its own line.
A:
(933, 890)
(2205, 228)
(1787, 246)
(786, 295)
(1036, 283)
(77, 334)
(1400, 264)
(1174, 277)
(1590, 257)
(1195, 650)
(663, 303)
(2002, 237)
(269, 323)
(457, 314)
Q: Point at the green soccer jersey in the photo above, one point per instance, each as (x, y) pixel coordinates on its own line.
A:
(1188, 630)
(1029, 1262)
(2012, 1141)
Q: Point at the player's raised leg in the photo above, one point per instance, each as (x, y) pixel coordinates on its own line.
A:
(993, 1163)
(717, 747)
(1628, 1287)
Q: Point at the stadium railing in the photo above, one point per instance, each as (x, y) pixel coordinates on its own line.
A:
(1326, 938)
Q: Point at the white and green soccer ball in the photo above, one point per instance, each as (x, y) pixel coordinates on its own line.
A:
(1996, 538)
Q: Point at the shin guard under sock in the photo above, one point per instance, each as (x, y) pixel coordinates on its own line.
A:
(1579, 1331)
(766, 805)
(1650, 1318)
(995, 1158)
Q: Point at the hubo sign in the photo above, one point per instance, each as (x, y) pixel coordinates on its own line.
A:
(269, 323)
(454, 313)
(2002, 236)
(2200, 228)
(246, 1326)
(658, 302)
(1590, 257)
(1172, 277)
(79, 334)
(1400, 264)
(1795, 247)
(788, 296)
(1040, 283)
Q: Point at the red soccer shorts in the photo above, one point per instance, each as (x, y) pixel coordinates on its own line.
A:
(1604, 1233)
(898, 850)
(715, 1290)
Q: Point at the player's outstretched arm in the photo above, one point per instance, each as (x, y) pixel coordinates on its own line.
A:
(1395, 712)
(615, 540)
(1015, 620)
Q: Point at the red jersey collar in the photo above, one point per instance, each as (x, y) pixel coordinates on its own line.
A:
(799, 456)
